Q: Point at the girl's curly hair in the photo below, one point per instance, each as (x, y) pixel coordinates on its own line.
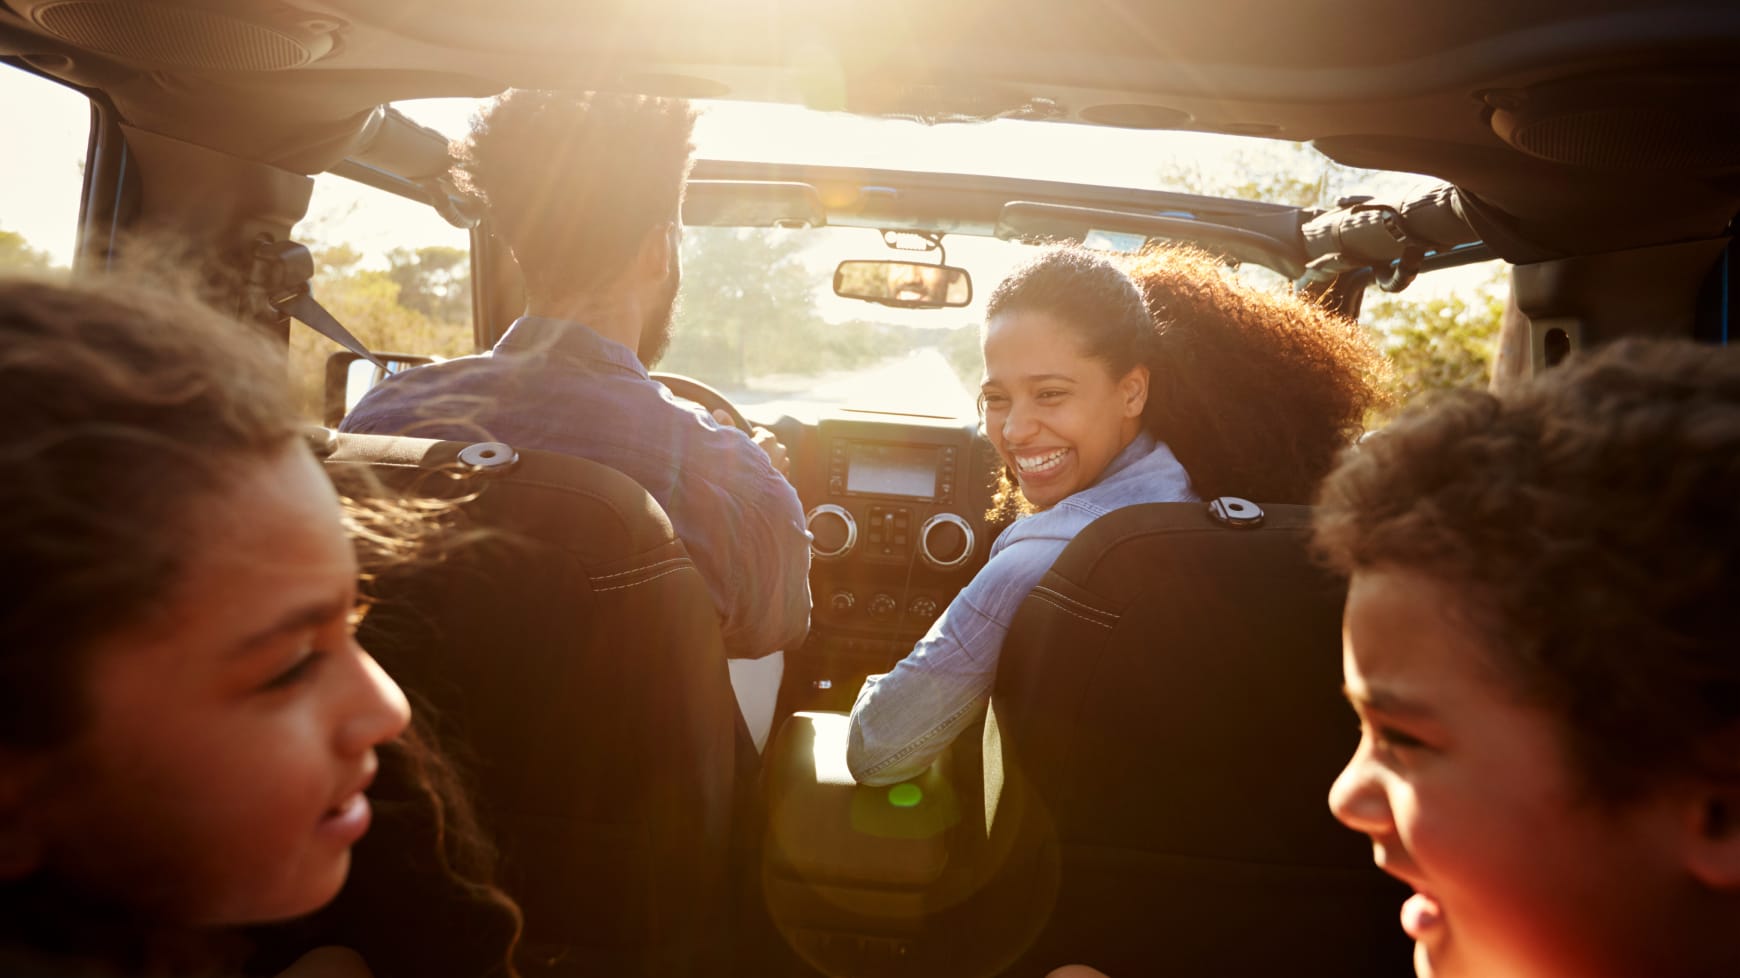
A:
(127, 406)
(1255, 392)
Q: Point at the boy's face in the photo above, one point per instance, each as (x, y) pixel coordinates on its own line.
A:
(1469, 797)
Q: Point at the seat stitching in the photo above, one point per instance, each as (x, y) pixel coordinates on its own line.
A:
(1085, 607)
(649, 567)
(619, 587)
(1072, 614)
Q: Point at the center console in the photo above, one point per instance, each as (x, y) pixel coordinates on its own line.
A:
(896, 513)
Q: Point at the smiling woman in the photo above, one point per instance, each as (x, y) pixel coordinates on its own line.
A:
(1091, 375)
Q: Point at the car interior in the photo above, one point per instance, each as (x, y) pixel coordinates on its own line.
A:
(1146, 793)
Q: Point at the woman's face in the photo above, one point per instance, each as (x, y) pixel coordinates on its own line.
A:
(1057, 416)
(1469, 796)
(220, 777)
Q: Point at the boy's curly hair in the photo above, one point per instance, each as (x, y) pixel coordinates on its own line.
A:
(1590, 519)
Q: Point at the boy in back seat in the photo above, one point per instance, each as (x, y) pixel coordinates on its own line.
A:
(1542, 644)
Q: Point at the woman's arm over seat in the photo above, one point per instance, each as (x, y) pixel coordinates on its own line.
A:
(904, 718)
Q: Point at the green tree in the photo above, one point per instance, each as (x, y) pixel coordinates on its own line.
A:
(961, 346)
(16, 253)
(1441, 342)
(335, 261)
(370, 303)
(1432, 343)
(1280, 172)
(747, 308)
(435, 280)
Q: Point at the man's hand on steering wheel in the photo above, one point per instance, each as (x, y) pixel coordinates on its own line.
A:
(765, 440)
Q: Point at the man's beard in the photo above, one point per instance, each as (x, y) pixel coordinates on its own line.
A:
(655, 332)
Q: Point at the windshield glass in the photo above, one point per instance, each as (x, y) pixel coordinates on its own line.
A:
(757, 317)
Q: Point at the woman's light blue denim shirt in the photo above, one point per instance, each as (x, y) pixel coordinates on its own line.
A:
(903, 719)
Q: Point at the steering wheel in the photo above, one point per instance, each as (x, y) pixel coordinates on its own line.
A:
(690, 389)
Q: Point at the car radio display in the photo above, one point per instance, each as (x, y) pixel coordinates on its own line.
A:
(892, 470)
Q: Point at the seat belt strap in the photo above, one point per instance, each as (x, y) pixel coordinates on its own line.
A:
(302, 307)
(281, 274)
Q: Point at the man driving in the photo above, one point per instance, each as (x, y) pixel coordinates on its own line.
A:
(586, 190)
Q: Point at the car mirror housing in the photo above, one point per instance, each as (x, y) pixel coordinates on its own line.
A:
(349, 377)
(905, 284)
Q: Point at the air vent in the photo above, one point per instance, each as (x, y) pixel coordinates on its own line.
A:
(1687, 122)
(186, 36)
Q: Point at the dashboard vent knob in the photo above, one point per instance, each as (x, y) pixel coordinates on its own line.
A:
(945, 541)
(833, 531)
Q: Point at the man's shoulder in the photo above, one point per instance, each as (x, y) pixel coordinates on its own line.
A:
(507, 384)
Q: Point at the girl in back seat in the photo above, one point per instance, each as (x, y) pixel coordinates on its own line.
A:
(1163, 379)
(188, 728)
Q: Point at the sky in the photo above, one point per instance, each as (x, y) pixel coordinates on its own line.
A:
(41, 168)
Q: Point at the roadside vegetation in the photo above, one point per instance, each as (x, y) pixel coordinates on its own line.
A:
(748, 310)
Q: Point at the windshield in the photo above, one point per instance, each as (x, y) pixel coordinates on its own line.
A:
(757, 317)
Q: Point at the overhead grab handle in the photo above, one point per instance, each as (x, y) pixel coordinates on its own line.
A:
(1394, 241)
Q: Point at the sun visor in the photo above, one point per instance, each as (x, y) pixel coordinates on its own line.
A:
(753, 203)
(1026, 220)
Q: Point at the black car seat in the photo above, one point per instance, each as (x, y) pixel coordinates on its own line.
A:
(571, 654)
(1166, 723)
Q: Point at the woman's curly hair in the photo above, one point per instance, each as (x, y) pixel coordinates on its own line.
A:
(1588, 520)
(1255, 392)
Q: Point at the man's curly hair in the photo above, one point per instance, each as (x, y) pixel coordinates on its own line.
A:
(1255, 392)
(1590, 520)
(573, 182)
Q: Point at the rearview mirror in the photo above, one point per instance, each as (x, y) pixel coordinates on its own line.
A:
(906, 284)
(349, 377)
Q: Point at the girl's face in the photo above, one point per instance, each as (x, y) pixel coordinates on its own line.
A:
(220, 777)
(1057, 416)
(1470, 798)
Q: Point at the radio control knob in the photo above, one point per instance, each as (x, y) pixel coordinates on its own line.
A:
(922, 607)
(945, 541)
(833, 532)
(881, 606)
(843, 601)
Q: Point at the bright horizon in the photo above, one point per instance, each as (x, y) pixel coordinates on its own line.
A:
(39, 197)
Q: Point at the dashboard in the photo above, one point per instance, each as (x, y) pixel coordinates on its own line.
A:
(895, 506)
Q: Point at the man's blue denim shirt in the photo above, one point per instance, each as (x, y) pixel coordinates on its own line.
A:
(903, 719)
(558, 386)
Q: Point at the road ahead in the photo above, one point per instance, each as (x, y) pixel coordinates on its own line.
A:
(920, 382)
